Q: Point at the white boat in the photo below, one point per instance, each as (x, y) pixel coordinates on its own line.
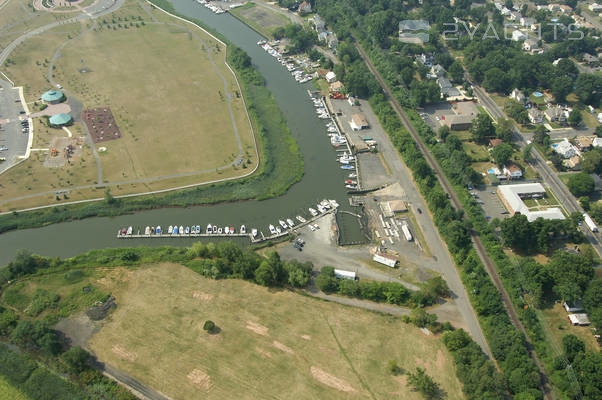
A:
(254, 232)
(290, 222)
(129, 231)
(351, 186)
(187, 230)
(226, 230)
(170, 229)
(278, 230)
(334, 203)
(219, 231)
(214, 229)
(313, 212)
(198, 229)
(181, 230)
(158, 230)
(301, 219)
(352, 175)
(209, 229)
(283, 224)
(147, 230)
(325, 203)
(320, 208)
(311, 227)
(272, 229)
(316, 226)
(243, 229)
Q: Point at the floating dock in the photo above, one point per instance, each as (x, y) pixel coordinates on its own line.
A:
(254, 239)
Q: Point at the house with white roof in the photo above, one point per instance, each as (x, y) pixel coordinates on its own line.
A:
(565, 149)
(513, 171)
(331, 77)
(518, 36)
(519, 96)
(513, 195)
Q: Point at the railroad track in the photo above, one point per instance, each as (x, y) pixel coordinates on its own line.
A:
(478, 244)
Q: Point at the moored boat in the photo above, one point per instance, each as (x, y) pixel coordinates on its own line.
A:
(272, 229)
(187, 230)
(129, 231)
(301, 219)
(283, 224)
(219, 231)
(226, 230)
(290, 222)
(147, 230)
(170, 229)
(243, 229)
(209, 229)
(158, 230)
(232, 230)
(254, 232)
(313, 212)
(181, 230)
(215, 229)
(175, 230)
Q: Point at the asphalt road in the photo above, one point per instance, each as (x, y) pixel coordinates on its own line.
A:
(548, 176)
(11, 134)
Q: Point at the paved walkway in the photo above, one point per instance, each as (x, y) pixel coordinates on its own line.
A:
(52, 109)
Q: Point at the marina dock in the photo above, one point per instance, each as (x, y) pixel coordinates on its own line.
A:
(253, 239)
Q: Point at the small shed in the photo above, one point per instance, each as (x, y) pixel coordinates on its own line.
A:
(344, 274)
(572, 307)
(358, 122)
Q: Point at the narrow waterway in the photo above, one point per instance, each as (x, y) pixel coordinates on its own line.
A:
(323, 177)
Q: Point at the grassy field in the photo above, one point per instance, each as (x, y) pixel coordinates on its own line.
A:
(7, 391)
(271, 344)
(260, 19)
(166, 94)
(557, 325)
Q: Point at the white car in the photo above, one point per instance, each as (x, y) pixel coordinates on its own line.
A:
(59, 86)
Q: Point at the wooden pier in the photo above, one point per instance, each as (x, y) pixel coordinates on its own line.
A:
(257, 239)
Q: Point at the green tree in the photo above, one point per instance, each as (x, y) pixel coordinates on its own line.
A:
(423, 383)
(326, 281)
(504, 129)
(593, 295)
(456, 340)
(591, 162)
(76, 359)
(209, 326)
(502, 153)
(572, 345)
(584, 203)
(456, 71)
(581, 184)
(588, 88)
(482, 128)
(526, 153)
(561, 87)
(541, 135)
(518, 234)
(575, 118)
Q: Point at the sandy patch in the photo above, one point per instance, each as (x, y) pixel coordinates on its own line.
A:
(330, 380)
(263, 352)
(202, 296)
(306, 337)
(200, 379)
(283, 347)
(440, 362)
(123, 353)
(257, 328)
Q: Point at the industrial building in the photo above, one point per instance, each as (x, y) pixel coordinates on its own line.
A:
(358, 122)
(513, 195)
(385, 260)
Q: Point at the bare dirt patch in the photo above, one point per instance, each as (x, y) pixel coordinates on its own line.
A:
(202, 296)
(77, 329)
(282, 347)
(306, 337)
(331, 380)
(263, 352)
(200, 379)
(123, 353)
(257, 328)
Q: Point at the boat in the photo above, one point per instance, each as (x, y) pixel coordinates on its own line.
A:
(253, 232)
(243, 229)
(278, 230)
(272, 229)
(158, 230)
(301, 219)
(147, 230)
(227, 230)
(215, 230)
(283, 224)
(129, 231)
(347, 167)
(170, 229)
(334, 203)
(350, 182)
(122, 231)
(232, 230)
(198, 229)
(351, 186)
(187, 230)
(311, 227)
(320, 208)
(313, 212)
(209, 229)
(261, 42)
(290, 222)
(152, 230)
(325, 203)
(175, 230)
(316, 226)
(181, 230)
(353, 175)
(219, 231)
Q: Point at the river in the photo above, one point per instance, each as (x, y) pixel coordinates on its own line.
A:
(323, 178)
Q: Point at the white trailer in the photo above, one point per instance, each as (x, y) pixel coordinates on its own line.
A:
(406, 232)
(590, 223)
(343, 274)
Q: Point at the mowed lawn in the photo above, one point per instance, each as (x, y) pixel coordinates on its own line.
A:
(7, 391)
(272, 343)
(166, 95)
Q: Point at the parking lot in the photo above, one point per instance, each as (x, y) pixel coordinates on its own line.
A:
(13, 135)
(486, 196)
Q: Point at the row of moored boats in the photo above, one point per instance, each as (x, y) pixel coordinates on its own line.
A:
(291, 65)
(215, 9)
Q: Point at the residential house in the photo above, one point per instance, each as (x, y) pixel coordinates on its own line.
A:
(518, 36)
(331, 77)
(584, 143)
(565, 149)
(518, 96)
(319, 24)
(499, 6)
(555, 114)
(536, 116)
(565, 9)
(505, 11)
(447, 89)
(437, 70)
(531, 45)
(513, 171)
(554, 7)
(573, 163)
(514, 16)
(425, 59)
(495, 142)
(332, 41)
(527, 21)
(304, 8)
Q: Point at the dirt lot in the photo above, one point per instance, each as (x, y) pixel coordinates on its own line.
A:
(277, 344)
